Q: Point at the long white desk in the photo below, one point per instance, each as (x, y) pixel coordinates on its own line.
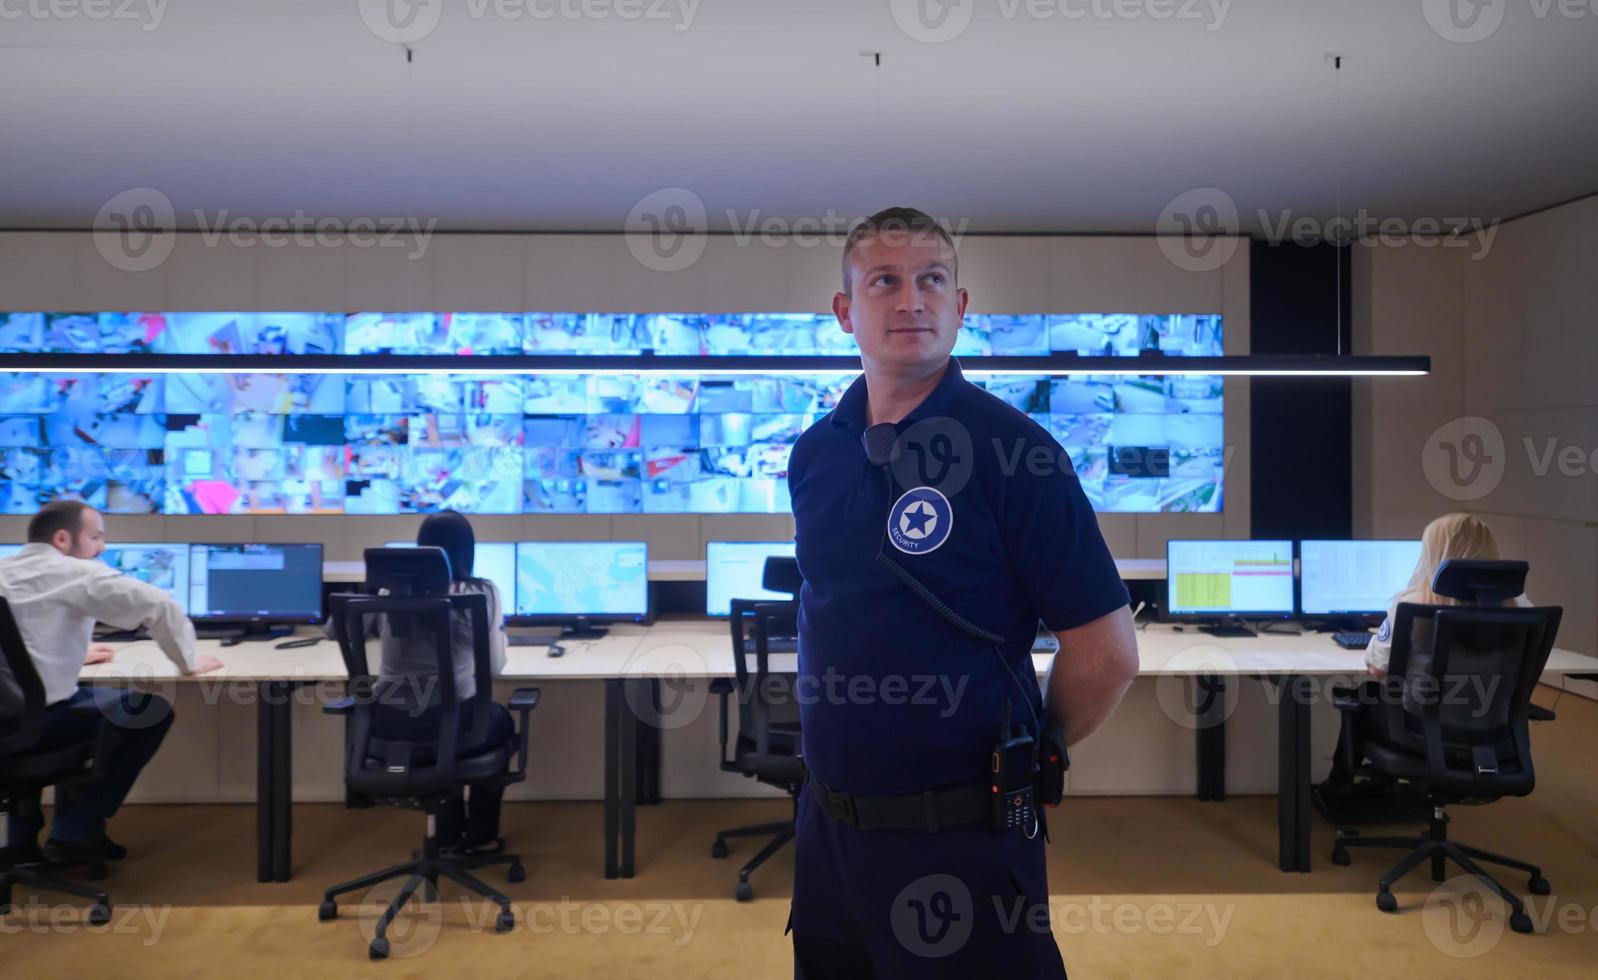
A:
(633, 660)
(690, 570)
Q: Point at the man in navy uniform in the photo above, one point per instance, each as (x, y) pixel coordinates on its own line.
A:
(931, 549)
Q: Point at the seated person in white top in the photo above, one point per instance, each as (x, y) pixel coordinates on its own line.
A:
(1451, 536)
(409, 668)
(58, 591)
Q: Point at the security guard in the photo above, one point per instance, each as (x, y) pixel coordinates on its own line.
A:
(936, 527)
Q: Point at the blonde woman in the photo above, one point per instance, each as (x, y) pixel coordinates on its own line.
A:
(1450, 536)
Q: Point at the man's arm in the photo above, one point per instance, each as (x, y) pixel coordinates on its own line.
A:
(1096, 663)
(127, 603)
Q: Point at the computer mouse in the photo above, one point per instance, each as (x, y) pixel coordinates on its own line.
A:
(556, 650)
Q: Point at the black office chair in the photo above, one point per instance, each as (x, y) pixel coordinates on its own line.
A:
(384, 763)
(25, 771)
(1451, 718)
(767, 748)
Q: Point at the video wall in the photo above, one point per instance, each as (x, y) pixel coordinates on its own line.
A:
(602, 443)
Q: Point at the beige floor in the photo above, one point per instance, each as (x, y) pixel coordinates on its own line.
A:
(1142, 887)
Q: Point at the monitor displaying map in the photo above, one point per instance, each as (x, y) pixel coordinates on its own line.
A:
(593, 579)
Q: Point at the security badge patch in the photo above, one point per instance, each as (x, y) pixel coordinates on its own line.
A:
(920, 521)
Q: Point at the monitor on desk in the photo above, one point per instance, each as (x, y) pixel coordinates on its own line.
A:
(255, 583)
(1353, 578)
(7, 550)
(734, 570)
(163, 565)
(493, 560)
(577, 583)
(1229, 579)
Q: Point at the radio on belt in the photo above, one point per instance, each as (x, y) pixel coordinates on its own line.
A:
(1013, 774)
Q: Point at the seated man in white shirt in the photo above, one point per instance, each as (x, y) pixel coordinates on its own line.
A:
(57, 592)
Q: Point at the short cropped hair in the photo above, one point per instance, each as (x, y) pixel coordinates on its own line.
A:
(58, 515)
(910, 223)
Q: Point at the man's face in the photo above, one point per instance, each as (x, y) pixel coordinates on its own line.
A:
(903, 306)
(89, 542)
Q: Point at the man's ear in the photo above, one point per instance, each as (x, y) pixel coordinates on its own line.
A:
(965, 300)
(840, 309)
(62, 541)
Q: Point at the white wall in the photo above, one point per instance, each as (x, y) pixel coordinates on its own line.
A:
(1513, 333)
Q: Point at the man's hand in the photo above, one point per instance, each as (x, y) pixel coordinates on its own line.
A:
(1096, 663)
(1380, 673)
(99, 654)
(205, 663)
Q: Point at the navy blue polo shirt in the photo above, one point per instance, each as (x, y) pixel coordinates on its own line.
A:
(989, 515)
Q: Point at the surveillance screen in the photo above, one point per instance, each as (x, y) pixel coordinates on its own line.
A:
(165, 566)
(601, 443)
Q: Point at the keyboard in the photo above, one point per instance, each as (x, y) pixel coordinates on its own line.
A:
(774, 644)
(530, 639)
(1352, 641)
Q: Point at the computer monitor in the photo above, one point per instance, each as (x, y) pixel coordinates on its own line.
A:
(1353, 579)
(255, 584)
(493, 560)
(734, 570)
(163, 565)
(577, 583)
(1229, 580)
(7, 550)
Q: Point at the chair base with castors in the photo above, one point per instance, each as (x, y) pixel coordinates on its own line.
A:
(781, 831)
(41, 875)
(1436, 848)
(423, 875)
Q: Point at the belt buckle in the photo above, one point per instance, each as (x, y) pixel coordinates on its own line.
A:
(842, 809)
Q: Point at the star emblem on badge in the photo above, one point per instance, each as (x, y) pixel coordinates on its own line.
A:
(918, 520)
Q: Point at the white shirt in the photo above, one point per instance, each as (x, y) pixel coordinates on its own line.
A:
(56, 600)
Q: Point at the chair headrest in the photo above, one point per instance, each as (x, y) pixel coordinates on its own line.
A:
(1479, 582)
(782, 575)
(408, 571)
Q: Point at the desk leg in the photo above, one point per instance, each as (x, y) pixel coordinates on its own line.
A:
(1210, 715)
(628, 779)
(613, 711)
(649, 755)
(265, 782)
(283, 777)
(1293, 770)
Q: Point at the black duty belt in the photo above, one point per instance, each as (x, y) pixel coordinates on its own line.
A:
(931, 811)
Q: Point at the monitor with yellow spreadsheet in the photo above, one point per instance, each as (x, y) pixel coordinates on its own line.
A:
(1219, 579)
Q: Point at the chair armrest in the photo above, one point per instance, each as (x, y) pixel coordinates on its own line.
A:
(522, 701)
(339, 706)
(1537, 712)
(1345, 699)
(722, 686)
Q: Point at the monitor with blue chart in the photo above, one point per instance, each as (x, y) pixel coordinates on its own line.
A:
(734, 570)
(255, 584)
(1229, 581)
(577, 583)
(493, 560)
(1353, 579)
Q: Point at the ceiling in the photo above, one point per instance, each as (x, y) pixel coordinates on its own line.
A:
(767, 109)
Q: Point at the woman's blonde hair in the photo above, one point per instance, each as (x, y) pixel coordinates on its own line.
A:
(1450, 536)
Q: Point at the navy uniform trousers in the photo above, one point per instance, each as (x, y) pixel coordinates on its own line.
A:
(966, 902)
